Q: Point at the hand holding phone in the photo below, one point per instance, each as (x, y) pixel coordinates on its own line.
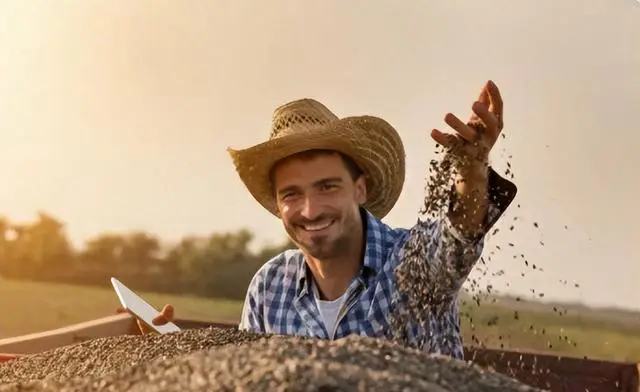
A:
(139, 308)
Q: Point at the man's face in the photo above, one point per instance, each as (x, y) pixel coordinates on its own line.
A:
(318, 201)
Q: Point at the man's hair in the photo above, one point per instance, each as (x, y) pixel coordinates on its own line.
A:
(352, 167)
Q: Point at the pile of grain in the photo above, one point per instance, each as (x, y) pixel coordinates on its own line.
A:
(252, 364)
(102, 356)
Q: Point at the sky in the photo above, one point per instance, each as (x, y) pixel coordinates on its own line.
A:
(116, 116)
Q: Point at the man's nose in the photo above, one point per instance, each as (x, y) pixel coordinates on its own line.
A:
(310, 209)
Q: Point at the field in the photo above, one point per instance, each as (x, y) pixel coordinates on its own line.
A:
(603, 334)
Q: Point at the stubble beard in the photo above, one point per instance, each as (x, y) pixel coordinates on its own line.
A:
(326, 248)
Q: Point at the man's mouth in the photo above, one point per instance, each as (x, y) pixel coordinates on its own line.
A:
(317, 226)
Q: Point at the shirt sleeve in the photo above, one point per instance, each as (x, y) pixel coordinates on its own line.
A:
(450, 255)
(252, 319)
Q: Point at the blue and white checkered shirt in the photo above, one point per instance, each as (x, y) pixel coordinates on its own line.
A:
(280, 298)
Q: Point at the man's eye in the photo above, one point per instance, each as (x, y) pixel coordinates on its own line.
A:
(328, 187)
(287, 196)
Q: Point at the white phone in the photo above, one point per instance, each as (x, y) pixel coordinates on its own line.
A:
(140, 309)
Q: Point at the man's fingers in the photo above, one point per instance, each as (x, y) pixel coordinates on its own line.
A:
(484, 95)
(446, 140)
(496, 105)
(144, 328)
(165, 315)
(141, 326)
(482, 111)
(168, 311)
(488, 108)
(483, 98)
(159, 320)
(463, 129)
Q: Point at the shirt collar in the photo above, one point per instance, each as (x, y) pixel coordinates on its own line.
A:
(373, 253)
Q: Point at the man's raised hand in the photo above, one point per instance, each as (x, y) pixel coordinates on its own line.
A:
(487, 112)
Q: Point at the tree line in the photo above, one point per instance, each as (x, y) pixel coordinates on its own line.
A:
(216, 265)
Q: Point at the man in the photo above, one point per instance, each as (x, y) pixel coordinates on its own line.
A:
(331, 181)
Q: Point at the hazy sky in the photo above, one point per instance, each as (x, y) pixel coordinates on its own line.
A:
(116, 115)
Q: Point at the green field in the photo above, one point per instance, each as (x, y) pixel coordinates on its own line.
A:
(32, 307)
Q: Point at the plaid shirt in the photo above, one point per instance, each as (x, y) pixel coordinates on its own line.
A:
(280, 298)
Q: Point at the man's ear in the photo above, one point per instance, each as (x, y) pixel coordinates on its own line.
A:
(361, 189)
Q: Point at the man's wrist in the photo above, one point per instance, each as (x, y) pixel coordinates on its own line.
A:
(470, 178)
(470, 199)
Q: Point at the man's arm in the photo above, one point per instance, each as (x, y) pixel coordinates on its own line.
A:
(252, 319)
(454, 243)
(469, 203)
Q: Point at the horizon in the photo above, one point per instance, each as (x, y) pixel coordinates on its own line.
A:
(254, 247)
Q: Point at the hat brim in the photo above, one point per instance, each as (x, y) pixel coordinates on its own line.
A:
(370, 141)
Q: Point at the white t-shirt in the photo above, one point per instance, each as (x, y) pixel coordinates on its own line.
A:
(329, 311)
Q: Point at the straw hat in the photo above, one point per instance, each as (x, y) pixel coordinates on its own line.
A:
(306, 124)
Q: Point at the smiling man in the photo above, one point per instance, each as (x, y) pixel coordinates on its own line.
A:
(331, 181)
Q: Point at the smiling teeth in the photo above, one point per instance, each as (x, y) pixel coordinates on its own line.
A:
(317, 227)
